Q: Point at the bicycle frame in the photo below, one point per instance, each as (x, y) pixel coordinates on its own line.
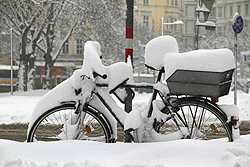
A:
(134, 85)
(169, 110)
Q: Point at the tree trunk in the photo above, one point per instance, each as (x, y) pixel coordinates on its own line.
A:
(31, 73)
(49, 64)
(23, 67)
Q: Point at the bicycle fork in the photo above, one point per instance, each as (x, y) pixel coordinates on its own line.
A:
(79, 121)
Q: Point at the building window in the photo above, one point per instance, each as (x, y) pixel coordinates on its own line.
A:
(174, 2)
(174, 26)
(213, 12)
(225, 9)
(219, 30)
(145, 20)
(231, 11)
(65, 48)
(239, 9)
(146, 2)
(246, 9)
(219, 11)
(79, 46)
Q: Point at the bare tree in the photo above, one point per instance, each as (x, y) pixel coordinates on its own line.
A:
(106, 24)
(23, 16)
(39, 24)
(57, 14)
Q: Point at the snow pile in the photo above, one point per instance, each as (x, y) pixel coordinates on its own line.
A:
(232, 112)
(188, 153)
(216, 60)
(17, 109)
(157, 48)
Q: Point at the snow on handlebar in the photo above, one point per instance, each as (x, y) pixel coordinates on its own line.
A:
(92, 64)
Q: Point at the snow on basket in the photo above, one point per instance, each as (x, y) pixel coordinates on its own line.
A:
(200, 73)
(157, 48)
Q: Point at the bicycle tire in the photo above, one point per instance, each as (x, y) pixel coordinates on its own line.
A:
(197, 118)
(56, 124)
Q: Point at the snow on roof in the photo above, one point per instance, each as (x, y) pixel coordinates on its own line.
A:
(5, 67)
(57, 64)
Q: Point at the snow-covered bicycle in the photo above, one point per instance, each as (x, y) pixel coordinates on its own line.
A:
(183, 107)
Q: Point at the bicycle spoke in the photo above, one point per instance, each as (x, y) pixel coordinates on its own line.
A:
(63, 124)
(197, 120)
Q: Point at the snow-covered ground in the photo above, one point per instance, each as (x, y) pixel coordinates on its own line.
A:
(18, 108)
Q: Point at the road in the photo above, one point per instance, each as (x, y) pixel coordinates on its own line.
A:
(18, 132)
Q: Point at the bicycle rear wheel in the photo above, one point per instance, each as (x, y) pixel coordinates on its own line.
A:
(198, 119)
(61, 123)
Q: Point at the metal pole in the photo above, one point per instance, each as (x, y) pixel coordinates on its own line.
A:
(162, 28)
(129, 30)
(235, 73)
(11, 61)
(129, 48)
(197, 28)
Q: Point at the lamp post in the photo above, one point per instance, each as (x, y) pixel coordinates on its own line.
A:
(179, 22)
(209, 25)
(11, 61)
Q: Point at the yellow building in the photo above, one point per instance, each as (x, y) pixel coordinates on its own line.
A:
(152, 11)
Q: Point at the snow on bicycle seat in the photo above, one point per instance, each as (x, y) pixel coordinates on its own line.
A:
(157, 48)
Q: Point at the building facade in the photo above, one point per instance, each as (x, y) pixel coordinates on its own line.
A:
(226, 10)
(152, 11)
(190, 20)
(72, 51)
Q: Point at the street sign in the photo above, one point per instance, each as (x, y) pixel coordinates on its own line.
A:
(248, 57)
(237, 23)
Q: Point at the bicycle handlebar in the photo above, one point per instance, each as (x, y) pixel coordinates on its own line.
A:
(102, 76)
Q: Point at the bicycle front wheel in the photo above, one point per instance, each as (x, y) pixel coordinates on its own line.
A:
(61, 123)
(198, 119)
